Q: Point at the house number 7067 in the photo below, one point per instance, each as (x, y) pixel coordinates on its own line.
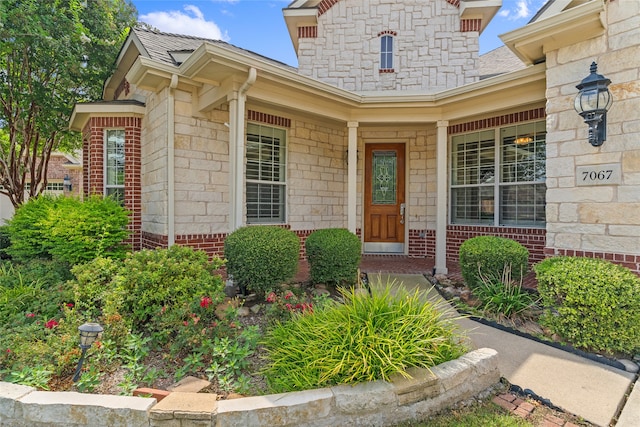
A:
(588, 175)
(600, 175)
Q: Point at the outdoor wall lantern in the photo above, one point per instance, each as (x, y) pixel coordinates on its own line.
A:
(66, 183)
(592, 103)
(89, 333)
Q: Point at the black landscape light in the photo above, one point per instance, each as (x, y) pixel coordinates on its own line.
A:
(89, 333)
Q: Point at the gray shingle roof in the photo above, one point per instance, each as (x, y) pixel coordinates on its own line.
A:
(499, 61)
(159, 44)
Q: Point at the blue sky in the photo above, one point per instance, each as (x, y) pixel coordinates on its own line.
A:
(258, 25)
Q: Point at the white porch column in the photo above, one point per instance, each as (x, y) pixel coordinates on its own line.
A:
(352, 176)
(441, 198)
(233, 141)
(171, 172)
(237, 103)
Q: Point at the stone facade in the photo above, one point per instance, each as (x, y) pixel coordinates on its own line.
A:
(596, 220)
(430, 52)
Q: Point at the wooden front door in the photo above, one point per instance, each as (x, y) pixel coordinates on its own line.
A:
(384, 203)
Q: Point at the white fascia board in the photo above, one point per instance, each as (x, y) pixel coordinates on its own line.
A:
(82, 112)
(532, 41)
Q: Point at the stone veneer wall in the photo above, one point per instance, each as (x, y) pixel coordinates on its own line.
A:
(366, 404)
(431, 52)
(600, 221)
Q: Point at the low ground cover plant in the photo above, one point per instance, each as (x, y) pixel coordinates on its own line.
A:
(592, 303)
(488, 256)
(364, 338)
(334, 256)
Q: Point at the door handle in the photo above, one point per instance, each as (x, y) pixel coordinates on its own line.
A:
(402, 208)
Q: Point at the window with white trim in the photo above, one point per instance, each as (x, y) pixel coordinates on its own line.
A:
(518, 190)
(386, 52)
(265, 174)
(114, 164)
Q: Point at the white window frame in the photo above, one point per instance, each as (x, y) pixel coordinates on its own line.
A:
(491, 176)
(257, 171)
(386, 52)
(109, 188)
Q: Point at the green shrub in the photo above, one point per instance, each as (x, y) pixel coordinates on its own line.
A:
(260, 258)
(155, 284)
(28, 230)
(488, 256)
(68, 229)
(93, 283)
(334, 255)
(592, 303)
(366, 338)
(5, 242)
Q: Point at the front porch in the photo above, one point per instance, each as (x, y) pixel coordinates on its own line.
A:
(402, 264)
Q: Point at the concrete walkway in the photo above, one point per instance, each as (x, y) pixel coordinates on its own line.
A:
(580, 386)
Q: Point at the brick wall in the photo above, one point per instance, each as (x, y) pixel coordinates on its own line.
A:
(93, 149)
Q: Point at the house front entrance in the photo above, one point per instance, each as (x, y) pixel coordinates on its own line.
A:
(384, 198)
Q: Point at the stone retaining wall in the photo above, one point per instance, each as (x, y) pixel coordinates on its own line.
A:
(368, 404)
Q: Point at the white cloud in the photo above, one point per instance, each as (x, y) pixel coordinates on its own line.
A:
(191, 23)
(515, 10)
(523, 9)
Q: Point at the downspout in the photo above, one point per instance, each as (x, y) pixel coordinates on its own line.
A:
(238, 134)
(171, 185)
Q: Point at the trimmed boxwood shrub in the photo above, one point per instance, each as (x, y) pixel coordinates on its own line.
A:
(262, 257)
(488, 256)
(592, 303)
(334, 256)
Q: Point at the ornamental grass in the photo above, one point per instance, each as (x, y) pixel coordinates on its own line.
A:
(363, 338)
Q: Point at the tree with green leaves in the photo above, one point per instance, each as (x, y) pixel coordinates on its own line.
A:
(53, 53)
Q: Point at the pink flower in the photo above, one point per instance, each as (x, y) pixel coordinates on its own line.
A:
(288, 295)
(51, 324)
(185, 323)
(205, 302)
(272, 297)
(30, 315)
(289, 306)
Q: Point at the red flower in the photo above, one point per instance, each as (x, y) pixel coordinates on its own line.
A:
(69, 305)
(205, 302)
(51, 324)
(288, 295)
(8, 350)
(30, 315)
(289, 306)
(272, 297)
